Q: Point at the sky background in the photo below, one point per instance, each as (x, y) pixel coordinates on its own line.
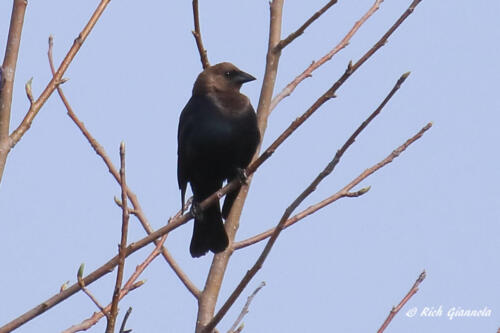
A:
(436, 207)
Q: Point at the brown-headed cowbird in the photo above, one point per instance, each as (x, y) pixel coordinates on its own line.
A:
(217, 137)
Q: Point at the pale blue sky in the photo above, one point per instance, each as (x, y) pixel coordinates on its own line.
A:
(436, 207)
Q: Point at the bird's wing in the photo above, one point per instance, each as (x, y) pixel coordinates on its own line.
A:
(183, 131)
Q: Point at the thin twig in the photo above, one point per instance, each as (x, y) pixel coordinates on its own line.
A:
(285, 42)
(245, 310)
(110, 327)
(137, 210)
(281, 225)
(129, 286)
(395, 310)
(315, 64)
(329, 168)
(88, 293)
(7, 75)
(330, 93)
(124, 322)
(314, 208)
(56, 78)
(197, 36)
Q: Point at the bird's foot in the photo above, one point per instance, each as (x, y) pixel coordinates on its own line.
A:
(242, 176)
(196, 211)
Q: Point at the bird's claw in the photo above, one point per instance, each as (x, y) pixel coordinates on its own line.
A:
(242, 176)
(196, 211)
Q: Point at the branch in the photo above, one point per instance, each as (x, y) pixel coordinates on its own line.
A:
(56, 79)
(315, 64)
(396, 309)
(342, 193)
(330, 93)
(330, 167)
(197, 36)
(281, 225)
(245, 310)
(124, 322)
(129, 286)
(7, 75)
(137, 209)
(110, 327)
(88, 293)
(284, 43)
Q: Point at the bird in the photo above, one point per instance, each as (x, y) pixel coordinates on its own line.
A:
(217, 138)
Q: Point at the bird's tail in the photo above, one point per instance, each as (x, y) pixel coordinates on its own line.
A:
(208, 233)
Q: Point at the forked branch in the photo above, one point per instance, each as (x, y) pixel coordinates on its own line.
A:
(110, 326)
(281, 225)
(56, 79)
(130, 285)
(285, 42)
(315, 64)
(331, 166)
(137, 209)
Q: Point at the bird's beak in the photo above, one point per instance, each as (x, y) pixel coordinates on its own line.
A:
(243, 77)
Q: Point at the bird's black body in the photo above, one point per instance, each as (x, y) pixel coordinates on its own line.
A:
(217, 135)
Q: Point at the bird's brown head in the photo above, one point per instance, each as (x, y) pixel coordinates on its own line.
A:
(223, 77)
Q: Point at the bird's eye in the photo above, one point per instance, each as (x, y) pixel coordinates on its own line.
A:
(227, 74)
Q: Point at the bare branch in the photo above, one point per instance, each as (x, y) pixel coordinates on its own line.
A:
(88, 293)
(137, 209)
(197, 36)
(110, 327)
(284, 43)
(330, 93)
(405, 299)
(57, 77)
(285, 218)
(7, 75)
(129, 286)
(330, 167)
(342, 193)
(124, 322)
(245, 310)
(315, 64)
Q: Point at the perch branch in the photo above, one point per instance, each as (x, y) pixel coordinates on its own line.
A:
(309, 70)
(7, 75)
(284, 42)
(281, 225)
(335, 159)
(405, 299)
(110, 326)
(197, 36)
